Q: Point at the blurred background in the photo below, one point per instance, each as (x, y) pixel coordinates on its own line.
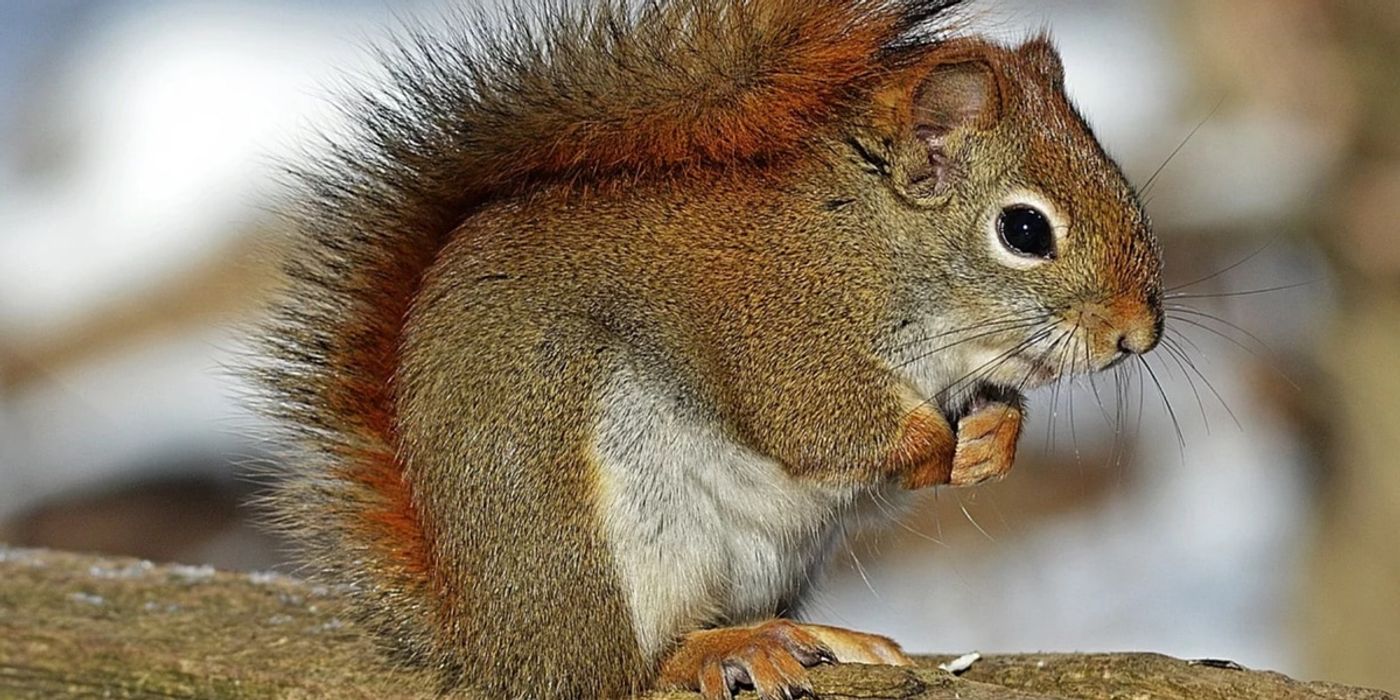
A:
(1248, 510)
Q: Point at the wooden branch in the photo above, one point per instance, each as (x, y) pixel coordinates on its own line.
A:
(83, 626)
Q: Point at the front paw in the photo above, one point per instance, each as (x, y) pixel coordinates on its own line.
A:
(986, 444)
(924, 456)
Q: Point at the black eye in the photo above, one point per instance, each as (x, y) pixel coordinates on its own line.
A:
(1025, 231)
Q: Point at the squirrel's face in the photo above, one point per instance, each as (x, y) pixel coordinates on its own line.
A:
(1020, 227)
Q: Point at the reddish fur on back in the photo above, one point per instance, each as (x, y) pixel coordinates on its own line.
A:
(582, 97)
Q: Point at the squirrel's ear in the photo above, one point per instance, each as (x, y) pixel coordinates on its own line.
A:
(954, 95)
(932, 102)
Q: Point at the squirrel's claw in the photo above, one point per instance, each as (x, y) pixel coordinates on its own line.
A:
(853, 647)
(772, 658)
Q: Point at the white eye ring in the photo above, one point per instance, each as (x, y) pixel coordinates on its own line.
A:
(1059, 224)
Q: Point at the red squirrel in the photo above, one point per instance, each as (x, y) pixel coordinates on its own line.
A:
(601, 324)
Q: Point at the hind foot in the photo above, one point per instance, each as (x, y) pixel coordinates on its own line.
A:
(772, 658)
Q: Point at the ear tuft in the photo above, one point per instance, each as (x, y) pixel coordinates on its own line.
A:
(1040, 53)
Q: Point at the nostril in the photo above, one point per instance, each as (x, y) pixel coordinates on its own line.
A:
(1138, 343)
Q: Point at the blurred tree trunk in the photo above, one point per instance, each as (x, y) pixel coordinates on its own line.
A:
(1352, 597)
(1333, 68)
(1352, 607)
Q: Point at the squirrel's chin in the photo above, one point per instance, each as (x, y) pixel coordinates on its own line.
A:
(1023, 374)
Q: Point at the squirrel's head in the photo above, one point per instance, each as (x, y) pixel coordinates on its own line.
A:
(1013, 221)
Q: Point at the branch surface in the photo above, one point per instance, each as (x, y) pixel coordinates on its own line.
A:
(83, 626)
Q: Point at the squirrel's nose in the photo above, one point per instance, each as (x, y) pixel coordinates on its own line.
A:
(1140, 339)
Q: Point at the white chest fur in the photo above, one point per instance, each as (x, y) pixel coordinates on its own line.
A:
(702, 529)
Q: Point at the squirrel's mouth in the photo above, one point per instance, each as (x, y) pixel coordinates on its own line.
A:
(985, 394)
(996, 379)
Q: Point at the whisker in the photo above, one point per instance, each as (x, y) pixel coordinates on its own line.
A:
(1223, 403)
(1013, 320)
(1024, 379)
(1142, 401)
(888, 510)
(1055, 391)
(925, 354)
(1147, 186)
(860, 568)
(1120, 398)
(937, 516)
(1073, 430)
(1238, 263)
(1186, 339)
(1262, 358)
(992, 364)
(1219, 333)
(1174, 352)
(1001, 517)
(1180, 308)
(1098, 398)
(1094, 386)
(981, 370)
(1243, 293)
(974, 522)
(1166, 402)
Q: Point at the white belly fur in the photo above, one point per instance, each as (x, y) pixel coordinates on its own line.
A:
(703, 529)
